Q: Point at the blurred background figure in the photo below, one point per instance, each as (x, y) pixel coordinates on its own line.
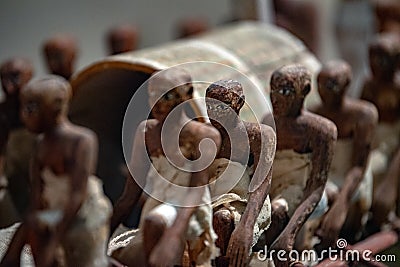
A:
(14, 73)
(15, 142)
(382, 88)
(191, 26)
(60, 52)
(301, 18)
(122, 38)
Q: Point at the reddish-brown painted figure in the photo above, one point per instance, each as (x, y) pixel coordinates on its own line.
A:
(350, 172)
(165, 227)
(68, 210)
(122, 38)
(240, 221)
(383, 89)
(15, 73)
(305, 143)
(60, 54)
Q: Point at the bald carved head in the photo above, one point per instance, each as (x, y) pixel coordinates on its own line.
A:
(289, 86)
(60, 53)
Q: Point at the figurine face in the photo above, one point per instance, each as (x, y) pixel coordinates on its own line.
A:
(163, 102)
(60, 52)
(122, 39)
(333, 81)
(14, 75)
(31, 112)
(384, 53)
(44, 103)
(222, 106)
(60, 61)
(330, 90)
(381, 63)
(289, 87)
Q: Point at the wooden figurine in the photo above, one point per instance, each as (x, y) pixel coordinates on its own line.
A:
(121, 39)
(244, 213)
(350, 172)
(16, 142)
(60, 52)
(304, 151)
(165, 227)
(67, 222)
(382, 88)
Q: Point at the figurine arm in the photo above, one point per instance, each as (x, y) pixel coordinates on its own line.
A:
(322, 150)
(363, 136)
(198, 179)
(172, 241)
(261, 180)
(242, 237)
(139, 164)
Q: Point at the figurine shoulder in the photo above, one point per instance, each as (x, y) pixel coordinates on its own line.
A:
(319, 126)
(76, 135)
(365, 111)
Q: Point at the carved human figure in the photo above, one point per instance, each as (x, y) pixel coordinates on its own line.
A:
(305, 143)
(16, 142)
(383, 90)
(60, 52)
(350, 171)
(68, 211)
(122, 38)
(243, 213)
(164, 226)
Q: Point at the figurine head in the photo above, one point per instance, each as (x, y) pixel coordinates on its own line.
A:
(289, 87)
(191, 26)
(230, 99)
(384, 52)
(60, 53)
(15, 73)
(122, 39)
(167, 89)
(44, 103)
(333, 81)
